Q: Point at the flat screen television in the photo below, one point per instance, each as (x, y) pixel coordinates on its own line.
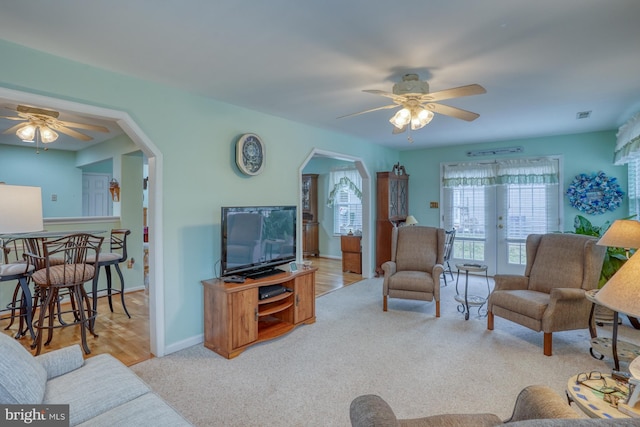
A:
(257, 239)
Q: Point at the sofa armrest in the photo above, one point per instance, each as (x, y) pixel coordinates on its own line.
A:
(540, 402)
(62, 361)
(370, 410)
(389, 269)
(567, 294)
(510, 282)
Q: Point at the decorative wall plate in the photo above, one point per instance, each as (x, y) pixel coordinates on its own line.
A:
(250, 154)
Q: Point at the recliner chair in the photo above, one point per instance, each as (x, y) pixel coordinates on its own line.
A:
(550, 296)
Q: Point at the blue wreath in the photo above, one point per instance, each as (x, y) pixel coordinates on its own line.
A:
(595, 193)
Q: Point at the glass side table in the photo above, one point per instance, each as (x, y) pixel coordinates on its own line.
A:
(466, 300)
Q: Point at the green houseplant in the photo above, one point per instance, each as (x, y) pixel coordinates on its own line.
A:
(614, 258)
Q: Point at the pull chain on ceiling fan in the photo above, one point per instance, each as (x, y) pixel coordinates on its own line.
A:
(419, 106)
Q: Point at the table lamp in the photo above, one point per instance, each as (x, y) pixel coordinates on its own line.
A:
(411, 220)
(623, 233)
(20, 209)
(621, 294)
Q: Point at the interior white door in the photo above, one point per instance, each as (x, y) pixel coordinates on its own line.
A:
(96, 199)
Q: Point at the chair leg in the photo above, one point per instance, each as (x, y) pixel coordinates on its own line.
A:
(490, 321)
(384, 303)
(547, 343)
(121, 290)
(437, 308)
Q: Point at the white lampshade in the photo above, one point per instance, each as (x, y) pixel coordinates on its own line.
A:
(47, 134)
(401, 118)
(623, 233)
(20, 209)
(622, 292)
(26, 133)
(421, 118)
(411, 220)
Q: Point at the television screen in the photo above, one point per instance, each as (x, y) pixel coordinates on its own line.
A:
(256, 239)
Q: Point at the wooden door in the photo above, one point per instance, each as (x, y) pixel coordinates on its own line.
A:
(244, 322)
(305, 298)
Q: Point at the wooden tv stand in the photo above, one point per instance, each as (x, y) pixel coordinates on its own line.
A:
(235, 318)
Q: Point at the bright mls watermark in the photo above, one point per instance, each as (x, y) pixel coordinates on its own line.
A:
(34, 415)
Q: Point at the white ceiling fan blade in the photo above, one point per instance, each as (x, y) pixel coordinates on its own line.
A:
(12, 118)
(397, 98)
(447, 110)
(15, 128)
(455, 92)
(386, 107)
(83, 126)
(72, 133)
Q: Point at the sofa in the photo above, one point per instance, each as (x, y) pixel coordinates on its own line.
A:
(536, 405)
(100, 391)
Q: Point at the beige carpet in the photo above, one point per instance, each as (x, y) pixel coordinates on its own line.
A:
(421, 365)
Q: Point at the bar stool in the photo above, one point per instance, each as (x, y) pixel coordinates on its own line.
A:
(17, 270)
(71, 274)
(117, 254)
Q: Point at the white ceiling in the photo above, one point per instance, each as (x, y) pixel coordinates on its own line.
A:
(541, 61)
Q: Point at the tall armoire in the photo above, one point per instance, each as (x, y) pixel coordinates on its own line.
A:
(310, 244)
(392, 209)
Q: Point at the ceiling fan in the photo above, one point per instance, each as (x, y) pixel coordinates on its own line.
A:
(38, 122)
(418, 105)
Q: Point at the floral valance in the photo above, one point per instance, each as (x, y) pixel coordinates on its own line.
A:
(628, 141)
(512, 171)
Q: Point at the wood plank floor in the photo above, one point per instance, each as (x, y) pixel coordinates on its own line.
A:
(128, 339)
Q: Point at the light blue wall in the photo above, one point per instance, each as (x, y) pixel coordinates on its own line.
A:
(582, 153)
(200, 174)
(53, 170)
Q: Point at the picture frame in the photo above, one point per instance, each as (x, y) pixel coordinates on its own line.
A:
(293, 267)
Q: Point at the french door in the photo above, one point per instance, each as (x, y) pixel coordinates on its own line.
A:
(493, 218)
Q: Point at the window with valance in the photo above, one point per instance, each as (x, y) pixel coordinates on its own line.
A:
(345, 197)
(628, 152)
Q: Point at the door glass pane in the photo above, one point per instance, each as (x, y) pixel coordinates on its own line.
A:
(467, 216)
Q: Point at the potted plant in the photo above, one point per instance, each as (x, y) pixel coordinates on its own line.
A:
(614, 258)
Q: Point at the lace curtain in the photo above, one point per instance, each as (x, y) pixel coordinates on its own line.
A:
(512, 171)
(628, 141)
(344, 179)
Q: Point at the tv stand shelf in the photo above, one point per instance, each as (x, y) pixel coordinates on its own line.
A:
(235, 318)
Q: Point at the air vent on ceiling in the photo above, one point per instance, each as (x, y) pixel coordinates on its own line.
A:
(583, 114)
(495, 151)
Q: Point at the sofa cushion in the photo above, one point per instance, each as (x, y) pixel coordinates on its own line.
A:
(147, 409)
(23, 379)
(101, 384)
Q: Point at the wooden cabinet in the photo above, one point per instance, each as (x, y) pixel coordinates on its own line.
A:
(310, 244)
(392, 209)
(351, 253)
(235, 318)
(310, 228)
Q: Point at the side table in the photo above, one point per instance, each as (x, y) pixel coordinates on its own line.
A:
(609, 347)
(467, 300)
(592, 402)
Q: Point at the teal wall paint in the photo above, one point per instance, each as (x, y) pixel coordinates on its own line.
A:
(200, 174)
(52, 170)
(580, 153)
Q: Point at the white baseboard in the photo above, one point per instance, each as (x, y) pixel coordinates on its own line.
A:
(181, 345)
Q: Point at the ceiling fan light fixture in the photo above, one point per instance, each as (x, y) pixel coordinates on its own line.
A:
(47, 135)
(421, 119)
(26, 133)
(401, 118)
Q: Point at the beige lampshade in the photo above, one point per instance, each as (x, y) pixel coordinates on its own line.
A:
(622, 292)
(411, 220)
(20, 209)
(623, 233)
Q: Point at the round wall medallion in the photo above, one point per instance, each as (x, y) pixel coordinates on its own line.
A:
(250, 154)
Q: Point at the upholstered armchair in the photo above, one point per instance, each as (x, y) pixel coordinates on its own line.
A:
(417, 254)
(550, 297)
